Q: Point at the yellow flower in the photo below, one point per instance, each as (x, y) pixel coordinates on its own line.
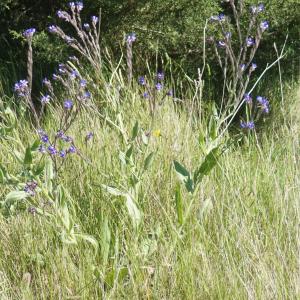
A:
(156, 133)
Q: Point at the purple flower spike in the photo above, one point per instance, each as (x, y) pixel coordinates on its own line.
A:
(260, 8)
(95, 20)
(29, 33)
(264, 25)
(86, 26)
(247, 98)
(89, 136)
(79, 6)
(131, 37)
(30, 187)
(71, 149)
(159, 86)
(146, 95)
(142, 80)
(45, 99)
(170, 93)
(221, 44)
(62, 153)
(52, 29)
(247, 125)
(250, 41)
(160, 76)
(253, 67)
(42, 149)
(52, 150)
(63, 15)
(264, 104)
(46, 82)
(21, 88)
(68, 104)
(242, 67)
(83, 83)
(72, 5)
(221, 17)
(87, 95)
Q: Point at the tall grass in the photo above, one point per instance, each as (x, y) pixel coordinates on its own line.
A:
(239, 241)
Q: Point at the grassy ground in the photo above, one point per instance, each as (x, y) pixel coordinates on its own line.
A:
(239, 235)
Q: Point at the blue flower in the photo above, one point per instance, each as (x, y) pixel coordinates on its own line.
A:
(247, 125)
(228, 35)
(67, 139)
(264, 104)
(253, 67)
(95, 20)
(21, 88)
(131, 37)
(46, 82)
(83, 82)
(160, 75)
(221, 17)
(62, 153)
(72, 149)
(74, 74)
(68, 104)
(221, 44)
(86, 95)
(89, 136)
(247, 98)
(63, 15)
(146, 95)
(72, 5)
(79, 6)
(170, 93)
(159, 86)
(52, 150)
(142, 80)
(42, 149)
(260, 8)
(60, 134)
(29, 33)
(52, 29)
(264, 25)
(242, 67)
(30, 187)
(86, 26)
(55, 77)
(44, 138)
(250, 41)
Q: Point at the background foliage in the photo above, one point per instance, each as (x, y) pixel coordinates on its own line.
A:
(173, 27)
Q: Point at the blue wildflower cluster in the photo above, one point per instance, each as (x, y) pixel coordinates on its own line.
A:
(30, 187)
(21, 88)
(131, 37)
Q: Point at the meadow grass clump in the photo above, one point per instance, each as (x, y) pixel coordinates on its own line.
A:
(121, 188)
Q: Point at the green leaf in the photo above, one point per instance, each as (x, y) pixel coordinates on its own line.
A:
(28, 157)
(184, 176)
(179, 206)
(208, 164)
(16, 196)
(112, 190)
(180, 169)
(39, 169)
(35, 145)
(133, 210)
(128, 154)
(148, 161)
(135, 130)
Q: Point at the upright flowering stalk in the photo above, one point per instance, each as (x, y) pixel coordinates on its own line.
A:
(88, 34)
(129, 40)
(23, 87)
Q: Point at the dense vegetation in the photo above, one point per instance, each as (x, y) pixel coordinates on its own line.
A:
(160, 160)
